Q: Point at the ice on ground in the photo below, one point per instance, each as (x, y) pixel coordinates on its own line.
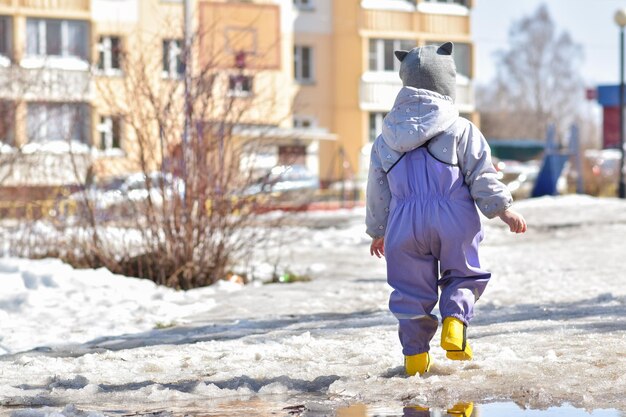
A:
(549, 330)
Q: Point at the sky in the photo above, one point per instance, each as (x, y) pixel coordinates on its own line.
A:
(589, 22)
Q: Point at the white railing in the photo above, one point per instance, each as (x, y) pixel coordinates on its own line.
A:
(379, 95)
(465, 97)
(44, 84)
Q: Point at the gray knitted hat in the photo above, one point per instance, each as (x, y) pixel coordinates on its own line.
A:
(429, 67)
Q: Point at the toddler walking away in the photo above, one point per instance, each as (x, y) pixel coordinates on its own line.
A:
(429, 170)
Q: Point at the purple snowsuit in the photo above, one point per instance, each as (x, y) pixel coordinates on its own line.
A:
(428, 170)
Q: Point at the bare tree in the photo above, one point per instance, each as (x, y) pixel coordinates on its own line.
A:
(537, 83)
(196, 218)
(195, 212)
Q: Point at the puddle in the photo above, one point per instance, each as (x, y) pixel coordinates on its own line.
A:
(287, 407)
(472, 410)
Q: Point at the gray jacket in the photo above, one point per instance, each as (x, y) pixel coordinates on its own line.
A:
(422, 117)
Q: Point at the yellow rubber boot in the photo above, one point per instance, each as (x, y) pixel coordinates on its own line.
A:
(417, 364)
(461, 410)
(454, 340)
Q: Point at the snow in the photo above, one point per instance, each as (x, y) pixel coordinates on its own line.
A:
(6, 149)
(61, 147)
(549, 331)
(86, 304)
(58, 62)
(401, 5)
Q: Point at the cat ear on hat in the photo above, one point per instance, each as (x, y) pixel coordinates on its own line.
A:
(401, 55)
(446, 49)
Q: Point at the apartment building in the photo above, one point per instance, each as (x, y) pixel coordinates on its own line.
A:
(53, 55)
(44, 66)
(325, 66)
(352, 77)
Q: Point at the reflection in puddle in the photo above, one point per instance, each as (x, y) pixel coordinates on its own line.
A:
(360, 410)
(472, 410)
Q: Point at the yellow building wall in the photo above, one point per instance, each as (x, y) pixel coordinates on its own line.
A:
(230, 28)
(142, 57)
(340, 159)
(253, 28)
(316, 100)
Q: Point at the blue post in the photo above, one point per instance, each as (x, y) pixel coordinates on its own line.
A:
(553, 163)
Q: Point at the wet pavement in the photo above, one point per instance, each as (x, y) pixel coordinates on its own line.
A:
(312, 408)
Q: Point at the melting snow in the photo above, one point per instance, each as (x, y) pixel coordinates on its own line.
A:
(549, 330)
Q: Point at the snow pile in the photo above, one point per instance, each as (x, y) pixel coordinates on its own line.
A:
(549, 330)
(47, 302)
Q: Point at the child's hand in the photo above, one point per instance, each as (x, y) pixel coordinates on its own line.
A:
(378, 247)
(516, 221)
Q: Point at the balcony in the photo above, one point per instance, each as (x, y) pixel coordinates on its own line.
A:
(400, 21)
(387, 20)
(465, 97)
(448, 25)
(378, 92)
(44, 84)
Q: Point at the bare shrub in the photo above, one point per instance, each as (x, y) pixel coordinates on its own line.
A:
(193, 210)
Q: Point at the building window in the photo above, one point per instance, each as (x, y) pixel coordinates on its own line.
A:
(7, 122)
(58, 38)
(303, 122)
(376, 125)
(110, 129)
(304, 4)
(461, 2)
(110, 54)
(462, 58)
(240, 85)
(381, 57)
(5, 36)
(173, 65)
(303, 64)
(292, 155)
(57, 121)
